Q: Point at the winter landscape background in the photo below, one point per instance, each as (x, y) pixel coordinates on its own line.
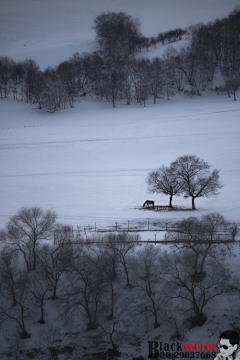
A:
(90, 163)
(107, 154)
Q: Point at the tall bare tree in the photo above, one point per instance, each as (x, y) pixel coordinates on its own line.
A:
(85, 286)
(126, 243)
(231, 85)
(16, 301)
(27, 228)
(164, 181)
(207, 239)
(197, 179)
(194, 294)
(53, 262)
(117, 33)
(149, 303)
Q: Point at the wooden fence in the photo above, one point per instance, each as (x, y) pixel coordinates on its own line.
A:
(83, 234)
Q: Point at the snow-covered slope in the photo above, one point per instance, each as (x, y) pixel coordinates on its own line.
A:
(51, 31)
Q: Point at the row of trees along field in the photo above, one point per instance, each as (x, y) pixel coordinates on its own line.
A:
(114, 73)
(110, 286)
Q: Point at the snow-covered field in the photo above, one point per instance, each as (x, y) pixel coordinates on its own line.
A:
(90, 163)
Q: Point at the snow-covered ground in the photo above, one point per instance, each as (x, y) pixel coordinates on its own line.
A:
(90, 163)
(49, 31)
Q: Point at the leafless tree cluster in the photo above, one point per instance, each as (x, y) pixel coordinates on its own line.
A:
(113, 72)
(53, 88)
(117, 33)
(198, 273)
(111, 285)
(104, 76)
(188, 176)
(214, 39)
(219, 42)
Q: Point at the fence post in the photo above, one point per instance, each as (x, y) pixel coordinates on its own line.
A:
(155, 238)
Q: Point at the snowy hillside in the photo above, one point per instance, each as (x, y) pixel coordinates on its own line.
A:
(51, 31)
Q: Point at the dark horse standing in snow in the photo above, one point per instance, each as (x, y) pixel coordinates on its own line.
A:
(149, 202)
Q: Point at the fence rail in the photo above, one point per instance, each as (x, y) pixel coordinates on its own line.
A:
(146, 226)
(163, 242)
(83, 234)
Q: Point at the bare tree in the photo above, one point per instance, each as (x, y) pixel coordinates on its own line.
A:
(39, 289)
(157, 78)
(109, 265)
(117, 33)
(197, 179)
(142, 80)
(186, 62)
(85, 286)
(164, 181)
(126, 80)
(111, 83)
(54, 261)
(194, 294)
(26, 229)
(126, 244)
(113, 331)
(55, 94)
(67, 75)
(30, 84)
(231, 85)
(206, 239)
(149, 302)
(63, 234)
(169, 71)
(8, 272)
(6, 71)
(16, 302)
